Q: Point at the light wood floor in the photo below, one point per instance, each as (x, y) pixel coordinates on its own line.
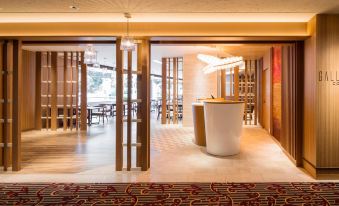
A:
(90, 157)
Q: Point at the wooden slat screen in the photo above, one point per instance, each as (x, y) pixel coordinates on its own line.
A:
(10, 96)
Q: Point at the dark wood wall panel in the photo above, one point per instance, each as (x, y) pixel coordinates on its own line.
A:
(29, 84)
(292, 103)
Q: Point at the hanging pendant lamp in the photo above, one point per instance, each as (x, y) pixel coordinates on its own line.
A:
(127, 42)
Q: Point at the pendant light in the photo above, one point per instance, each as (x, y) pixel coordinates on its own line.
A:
(127, 42)
(90, 55)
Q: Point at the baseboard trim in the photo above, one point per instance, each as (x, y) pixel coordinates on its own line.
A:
(321, 173)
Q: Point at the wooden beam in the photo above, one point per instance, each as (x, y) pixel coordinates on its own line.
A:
(164, 91)
(54, 91)
(83, 115)
(17, 95)
(38, 122)
(65, 109)
(129, 110)
(119, 107)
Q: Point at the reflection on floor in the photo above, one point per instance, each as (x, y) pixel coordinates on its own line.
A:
(72, 157)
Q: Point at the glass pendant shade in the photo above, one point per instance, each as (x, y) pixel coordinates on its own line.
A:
(127, 43)
(90, 55)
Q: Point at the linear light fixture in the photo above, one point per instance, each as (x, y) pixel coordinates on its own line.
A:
(216, 63)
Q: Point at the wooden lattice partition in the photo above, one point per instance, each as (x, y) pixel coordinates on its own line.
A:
(139, 141)
(241, 85)
(10, 94)
(58, 88)
(170, 83)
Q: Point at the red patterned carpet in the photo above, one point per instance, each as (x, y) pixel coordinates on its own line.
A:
(171, 194)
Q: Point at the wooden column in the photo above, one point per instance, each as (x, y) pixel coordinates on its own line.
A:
(236, 83)
(223, 83)
(145, 104)
(139, 97)
(129, 110)
(17, 94)
(119, 107)
(48, 95)
(175, 90)
(2, 68)
(83, 114)
(255, 93)
(231, 83)
(71, 94)
(77, 91)
(168, 111)
(164, 91)
(65, 109)
(6, 69)
(54, 91)
(38, 123)
(246, 90)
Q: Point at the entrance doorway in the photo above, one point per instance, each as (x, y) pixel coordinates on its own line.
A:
(70, 127)
(265, 87)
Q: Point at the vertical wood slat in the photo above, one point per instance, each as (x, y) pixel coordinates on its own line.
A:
(5, 133)
(54, 90)
(71, 94)
(164, 91)
(255, 93)
(83, 115)
(119, 107)
(231, 83)
(139, 96)
(48, 67)
(168, 111)
(223, 83)
(175, 90)
(236, 83)
(246, 90)
(129, 110)
(77, 91)
(249, 90)
(145, 105)
(65, 109)
(38, 122)
(2, 67)
(17, 94)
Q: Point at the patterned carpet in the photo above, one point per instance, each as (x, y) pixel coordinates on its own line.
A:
(171, 194)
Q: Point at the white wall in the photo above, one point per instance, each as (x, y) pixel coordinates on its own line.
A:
(196, 84)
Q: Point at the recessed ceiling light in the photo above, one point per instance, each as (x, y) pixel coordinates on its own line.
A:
(74, 7)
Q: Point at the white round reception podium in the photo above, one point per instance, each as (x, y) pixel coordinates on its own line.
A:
(223, 127)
